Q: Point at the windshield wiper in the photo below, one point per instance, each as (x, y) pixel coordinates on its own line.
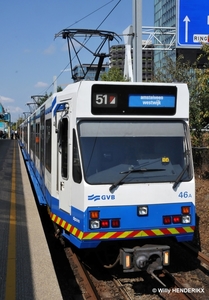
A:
(141, 170)
(132, 170)
(178, 179)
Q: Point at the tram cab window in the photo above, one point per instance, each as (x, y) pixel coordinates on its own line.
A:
(76, 161)
(110, 148)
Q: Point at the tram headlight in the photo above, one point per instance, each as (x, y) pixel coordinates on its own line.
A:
(94, 224)
(166, 257)
(186, 219)
(142, 210)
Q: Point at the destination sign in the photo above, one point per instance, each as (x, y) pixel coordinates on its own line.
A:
(151, 101)
(116, 99)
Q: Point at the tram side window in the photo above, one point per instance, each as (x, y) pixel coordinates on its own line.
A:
(25, 134)
(76, 161)
(31, 138)
(37, 140)
(48, 145)
(34, 138)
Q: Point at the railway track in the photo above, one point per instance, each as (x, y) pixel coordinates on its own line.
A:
(91, 288)
(183, 290)
(87, 288)
(113, 288)
(200, 256)
(141, 286)
(182, 284)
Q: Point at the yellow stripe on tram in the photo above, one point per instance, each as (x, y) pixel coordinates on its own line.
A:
(11, 258)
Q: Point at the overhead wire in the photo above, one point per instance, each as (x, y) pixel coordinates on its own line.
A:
(109, 13)
(63, 70)
(97, 27)
(96, 10)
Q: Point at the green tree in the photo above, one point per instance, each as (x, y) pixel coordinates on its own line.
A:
(114, 74)
(175, 71)
(41, 100)
(199, 98)
(46, 96)
(197, 79)
(202, 88)
(16, 124)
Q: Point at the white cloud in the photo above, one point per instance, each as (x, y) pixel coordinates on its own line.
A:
(64, 47)
(41, 84)
(14, 109)
(6, 100)
(27, 51)
(50, 50)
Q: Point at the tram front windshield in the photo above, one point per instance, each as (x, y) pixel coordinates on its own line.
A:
(147, 151)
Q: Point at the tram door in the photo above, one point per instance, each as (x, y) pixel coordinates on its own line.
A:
(64, 175)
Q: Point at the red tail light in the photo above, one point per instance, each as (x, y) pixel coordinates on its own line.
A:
(115, 223)
(105, 223)
(167, 220)
(176, 219)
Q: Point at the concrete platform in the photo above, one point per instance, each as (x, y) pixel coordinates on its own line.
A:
(26, 268)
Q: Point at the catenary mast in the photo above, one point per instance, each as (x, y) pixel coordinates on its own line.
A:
(137, 40)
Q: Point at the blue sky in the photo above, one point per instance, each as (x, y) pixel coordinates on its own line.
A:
(30, 57)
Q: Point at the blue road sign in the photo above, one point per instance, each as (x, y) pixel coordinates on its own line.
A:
(192, 23)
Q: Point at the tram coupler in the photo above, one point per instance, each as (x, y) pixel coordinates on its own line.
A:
(146, 258)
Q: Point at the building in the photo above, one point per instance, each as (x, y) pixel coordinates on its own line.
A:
(164, 16)
(5, 120)
(117, 59)
(87, 71)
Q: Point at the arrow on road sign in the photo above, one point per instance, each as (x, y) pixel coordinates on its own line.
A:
(186, 20)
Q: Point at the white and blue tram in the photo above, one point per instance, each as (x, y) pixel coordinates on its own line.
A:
(113, 162)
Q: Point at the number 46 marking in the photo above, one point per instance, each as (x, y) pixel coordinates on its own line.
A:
(184, 195)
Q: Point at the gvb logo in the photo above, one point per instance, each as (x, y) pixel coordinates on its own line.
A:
(100, 197)
(108, 197)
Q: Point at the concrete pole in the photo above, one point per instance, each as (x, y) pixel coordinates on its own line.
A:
(137, 40)
(128, 39)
